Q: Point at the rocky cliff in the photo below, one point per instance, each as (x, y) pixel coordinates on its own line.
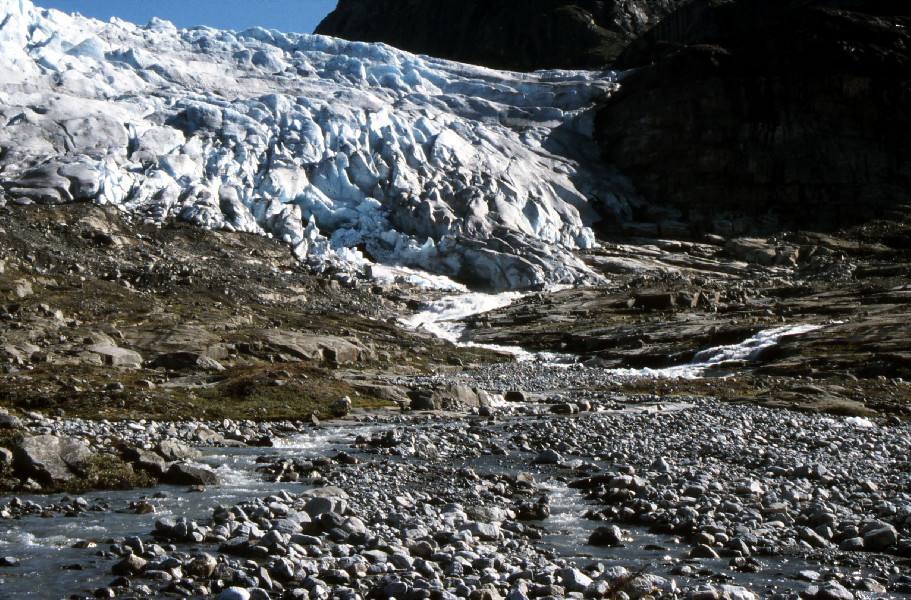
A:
(757, 116)
(521, 35)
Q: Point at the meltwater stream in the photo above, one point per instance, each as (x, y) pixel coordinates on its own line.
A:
(443, 318)
(51, 567)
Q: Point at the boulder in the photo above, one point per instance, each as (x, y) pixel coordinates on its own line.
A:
(186, 474)
(172, 450)
(606, 535)
(145, 460)
(51, 459)
(115, 356)
(15, 289)
(880, 538)
(448, 396)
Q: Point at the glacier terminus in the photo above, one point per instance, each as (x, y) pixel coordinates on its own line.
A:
(363, 158)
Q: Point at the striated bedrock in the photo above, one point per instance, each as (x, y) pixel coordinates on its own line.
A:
(361, 157)
(520, 35)
(749, 116)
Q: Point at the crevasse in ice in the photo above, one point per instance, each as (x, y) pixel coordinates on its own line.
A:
(352, 153)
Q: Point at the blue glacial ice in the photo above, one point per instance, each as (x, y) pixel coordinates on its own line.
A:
(356, 155)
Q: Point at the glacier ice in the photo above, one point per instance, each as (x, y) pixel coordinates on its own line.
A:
(354, 154)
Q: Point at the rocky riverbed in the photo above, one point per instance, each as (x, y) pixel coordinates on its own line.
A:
(627, 496)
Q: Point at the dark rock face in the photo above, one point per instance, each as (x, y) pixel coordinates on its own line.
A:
(521, 35)
(751, 116)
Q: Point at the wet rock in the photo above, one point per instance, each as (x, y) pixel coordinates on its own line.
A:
(548, 457)
(515, 396)
(131, 565)
(703, 551)
(186, 474)
(609, 535)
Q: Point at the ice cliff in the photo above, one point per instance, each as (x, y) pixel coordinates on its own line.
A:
(357, 155)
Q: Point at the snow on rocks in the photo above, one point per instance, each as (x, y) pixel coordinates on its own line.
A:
(352, 153)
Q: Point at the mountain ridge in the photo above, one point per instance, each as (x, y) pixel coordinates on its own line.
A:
(519, 35)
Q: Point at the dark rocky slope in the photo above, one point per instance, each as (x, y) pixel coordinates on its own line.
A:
(521, 35)
(759, 116)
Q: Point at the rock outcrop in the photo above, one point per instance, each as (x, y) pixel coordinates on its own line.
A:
(519, 35)
(748, 116)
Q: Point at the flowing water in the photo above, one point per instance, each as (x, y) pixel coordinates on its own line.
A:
(49, 562)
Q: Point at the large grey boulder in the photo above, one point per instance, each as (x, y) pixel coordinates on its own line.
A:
(172, 450)
(51, 459)
(116, 357)
(451, 396)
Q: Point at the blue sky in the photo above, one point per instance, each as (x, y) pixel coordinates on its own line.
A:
(290, 16)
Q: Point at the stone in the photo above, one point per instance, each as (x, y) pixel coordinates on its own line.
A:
(488, 532)
(131, 565)
(233, 593)
(880, 539)
(115, 356)
(172, 450)
(186, 474)
(548, 457)
(606, 535)
(833, 591)
(340, 407)
(10, 422)
(145, 460)
(575, 580)
(317, 348)
(202, 565)
(15, 289)
(51, 459)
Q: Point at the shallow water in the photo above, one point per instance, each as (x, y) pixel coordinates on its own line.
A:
(44, 546)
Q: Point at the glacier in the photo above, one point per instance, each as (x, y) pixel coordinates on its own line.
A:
(361, 157)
